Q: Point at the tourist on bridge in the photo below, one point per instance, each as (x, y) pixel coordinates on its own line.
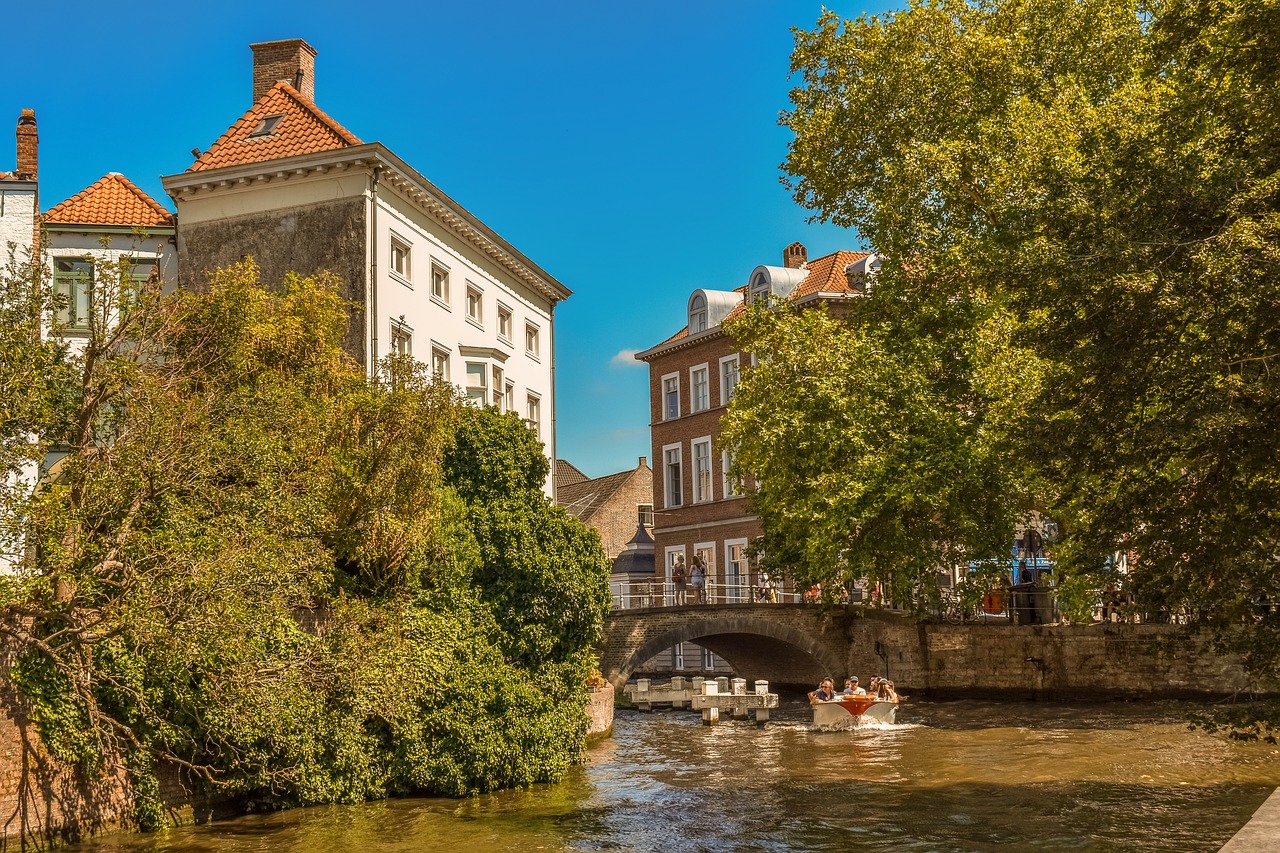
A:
(678, 579)
(698, 579)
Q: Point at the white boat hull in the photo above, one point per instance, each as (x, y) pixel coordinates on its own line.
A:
(850, 711)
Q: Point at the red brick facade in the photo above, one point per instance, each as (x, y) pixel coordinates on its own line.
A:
(706, 521)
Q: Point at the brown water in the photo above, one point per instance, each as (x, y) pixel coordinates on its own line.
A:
(957, 776)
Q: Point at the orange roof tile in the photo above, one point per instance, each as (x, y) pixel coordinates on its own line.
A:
(303, 129)
(111, 200)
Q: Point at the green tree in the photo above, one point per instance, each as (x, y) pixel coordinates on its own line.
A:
(1105, 171)
(250, 567)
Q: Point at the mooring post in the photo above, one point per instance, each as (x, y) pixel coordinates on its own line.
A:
(642, 695)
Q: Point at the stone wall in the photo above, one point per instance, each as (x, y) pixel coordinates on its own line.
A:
(793, 645)
(306, 240)
(600, 710)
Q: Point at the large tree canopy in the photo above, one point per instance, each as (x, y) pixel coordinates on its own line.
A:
(252, 566)
(1102, 174)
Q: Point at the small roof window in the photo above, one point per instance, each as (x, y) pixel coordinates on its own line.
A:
(267, 125)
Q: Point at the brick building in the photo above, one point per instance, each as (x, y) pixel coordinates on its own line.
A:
(612, 505)
(699, 512)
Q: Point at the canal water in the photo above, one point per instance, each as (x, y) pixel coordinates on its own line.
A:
(951, 776)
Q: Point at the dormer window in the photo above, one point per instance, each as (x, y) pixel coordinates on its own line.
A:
(267, 125)
(759, 286)
(697, 314)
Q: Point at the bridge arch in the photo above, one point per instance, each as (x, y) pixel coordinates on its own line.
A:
(755, 647)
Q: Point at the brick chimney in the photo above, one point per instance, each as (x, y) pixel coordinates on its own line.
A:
(291, 60)
(795, 256)
(28, 146)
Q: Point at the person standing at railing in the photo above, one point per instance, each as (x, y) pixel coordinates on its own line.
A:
(678, 579)
(698, 579)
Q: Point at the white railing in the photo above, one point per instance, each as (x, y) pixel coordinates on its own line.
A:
(635, 594)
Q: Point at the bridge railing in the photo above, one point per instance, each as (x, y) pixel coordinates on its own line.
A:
(655, 592)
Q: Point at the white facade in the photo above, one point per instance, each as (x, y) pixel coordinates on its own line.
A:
(17, 218)
(445, 288)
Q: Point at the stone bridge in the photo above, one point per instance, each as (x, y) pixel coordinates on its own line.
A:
(786, 644)
(793, 645)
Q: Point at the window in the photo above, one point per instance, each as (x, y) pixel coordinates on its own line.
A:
(266, 126)
(697, 313)
(699, 389)
(671, 397)
(533, 414)
(477, 377)
(440, 363)
(73, 283)
(475, 304)
(731, 487)
(677, 656)
(735, 570)
(708, 660)
(531, 339)
(499, 387)
(703, 470)
(400, 258)
(401, 339)
(509, 398)
(673, 482)
(440, 284)
(645, 511)
(729, 377)
(504, 322)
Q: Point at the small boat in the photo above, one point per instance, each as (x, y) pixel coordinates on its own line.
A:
(845, 712)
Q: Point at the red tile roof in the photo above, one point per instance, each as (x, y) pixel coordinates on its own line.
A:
(111, 200)
(304, 129)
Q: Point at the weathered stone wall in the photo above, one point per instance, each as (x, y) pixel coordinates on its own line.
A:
(600, 710)
(328, 237)
(794, 645)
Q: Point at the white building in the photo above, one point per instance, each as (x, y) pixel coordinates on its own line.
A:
(295, 190)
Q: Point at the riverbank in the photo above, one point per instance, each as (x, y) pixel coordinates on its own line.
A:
(1262, 833)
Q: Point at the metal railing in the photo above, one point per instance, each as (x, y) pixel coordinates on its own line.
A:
(636, 594)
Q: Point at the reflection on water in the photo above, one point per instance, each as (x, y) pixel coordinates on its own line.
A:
(956, 776)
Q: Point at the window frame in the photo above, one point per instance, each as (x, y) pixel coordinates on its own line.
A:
(400, 331)
(532, 334)
(664, 410)
(726, 390)
(483, 387)
(76, 286)
(440, 353)
(506, 317)
(728, 487)
(533, 412)
(704, 370)
(440, 286)
(697, 481)
(396, 242)
(475, 300)
(667, 492)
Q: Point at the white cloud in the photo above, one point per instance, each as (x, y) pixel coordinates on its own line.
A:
(626, 358)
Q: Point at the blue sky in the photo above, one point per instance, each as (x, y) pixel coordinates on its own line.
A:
(631, 150)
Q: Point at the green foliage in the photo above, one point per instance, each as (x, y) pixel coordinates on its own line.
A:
(882, 466)
(251, 567)
(1103, 172)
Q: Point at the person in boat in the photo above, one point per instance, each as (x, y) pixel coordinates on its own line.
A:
(826, 692)
(851, 687)
(886, 693)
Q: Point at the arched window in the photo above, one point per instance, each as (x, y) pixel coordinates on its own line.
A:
(697, 313)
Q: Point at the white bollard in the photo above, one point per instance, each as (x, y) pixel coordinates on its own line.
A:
(710, 687)
(762, 688)
(739, 687)
(697, 682)
(723, 684)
